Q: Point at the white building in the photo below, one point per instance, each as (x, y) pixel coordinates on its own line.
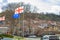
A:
(3, 29)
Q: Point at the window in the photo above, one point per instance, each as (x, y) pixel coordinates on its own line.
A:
(1, 22)
(53, 37)
(45, 38)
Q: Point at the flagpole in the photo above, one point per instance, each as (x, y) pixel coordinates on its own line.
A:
(19, 31)
(23, 24)
(14, 31)
(17, 11)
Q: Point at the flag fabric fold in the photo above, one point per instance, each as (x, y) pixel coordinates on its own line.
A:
(19, 10)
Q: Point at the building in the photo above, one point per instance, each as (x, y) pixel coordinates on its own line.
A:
(3, 30)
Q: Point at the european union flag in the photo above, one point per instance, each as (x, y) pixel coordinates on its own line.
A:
(16, 16)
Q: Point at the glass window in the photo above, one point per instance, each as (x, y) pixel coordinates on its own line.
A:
(45, 38)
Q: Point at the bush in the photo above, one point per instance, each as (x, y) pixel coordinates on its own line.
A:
(5, 35)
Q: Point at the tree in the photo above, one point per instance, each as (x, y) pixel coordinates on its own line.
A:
(27, 8)
(35, 9)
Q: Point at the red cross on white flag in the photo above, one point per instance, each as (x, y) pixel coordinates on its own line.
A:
(19, 10)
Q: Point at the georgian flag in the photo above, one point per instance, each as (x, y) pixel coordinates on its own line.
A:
(19, 10)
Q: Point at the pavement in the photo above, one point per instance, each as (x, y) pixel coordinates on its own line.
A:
(23, 38)
(20, 38)
(32, 38)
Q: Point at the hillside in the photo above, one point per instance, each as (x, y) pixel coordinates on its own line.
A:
(41, 16)
(43, 22)
(52, 17)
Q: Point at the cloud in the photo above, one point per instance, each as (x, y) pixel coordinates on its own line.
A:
(49, 6)
(0, 10)
(0, 1)
(42, 5)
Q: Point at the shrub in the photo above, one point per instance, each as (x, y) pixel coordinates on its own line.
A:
(5, 35)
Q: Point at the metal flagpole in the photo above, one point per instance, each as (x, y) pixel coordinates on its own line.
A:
(19, 26)
(15, 27)
(23, 24)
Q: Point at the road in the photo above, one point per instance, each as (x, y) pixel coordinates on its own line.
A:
(33, 38)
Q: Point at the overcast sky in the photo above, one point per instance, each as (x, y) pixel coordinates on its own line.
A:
(42, 5)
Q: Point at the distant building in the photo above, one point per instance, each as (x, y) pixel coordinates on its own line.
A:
(52, 23)
(3, 30)
(43, 25)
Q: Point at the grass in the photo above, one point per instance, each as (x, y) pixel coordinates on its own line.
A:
(5, 35)
(10, 36)
(18, 38)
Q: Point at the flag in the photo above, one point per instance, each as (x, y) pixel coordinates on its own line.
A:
(2, 18)
(16, 16)
(19, 10)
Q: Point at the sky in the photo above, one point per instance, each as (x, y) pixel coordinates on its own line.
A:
(43, 5)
